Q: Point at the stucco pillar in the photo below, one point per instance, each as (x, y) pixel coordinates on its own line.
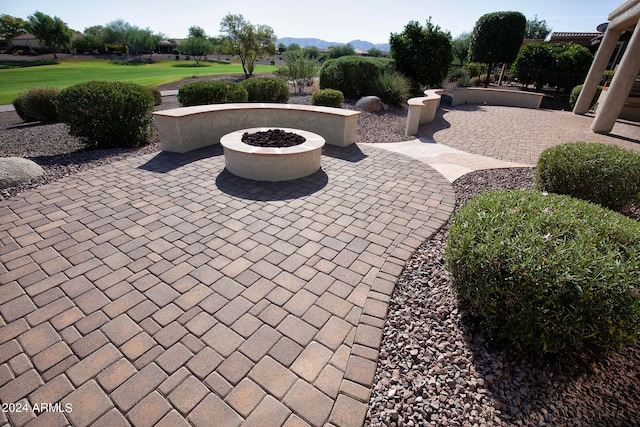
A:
(609, 111)
(598, 66)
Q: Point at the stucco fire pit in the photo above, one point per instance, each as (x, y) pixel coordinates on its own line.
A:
(272, 163)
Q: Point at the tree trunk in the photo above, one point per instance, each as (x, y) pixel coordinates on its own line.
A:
(489, 71)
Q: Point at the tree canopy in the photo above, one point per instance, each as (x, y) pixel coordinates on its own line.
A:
(247, 41)
(536, 29)
(423, 54)
(496, 38)
(11, 27)
(460, 46)
(52, 32)
(197, 44)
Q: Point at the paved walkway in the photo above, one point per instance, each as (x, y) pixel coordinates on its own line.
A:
(164, 291)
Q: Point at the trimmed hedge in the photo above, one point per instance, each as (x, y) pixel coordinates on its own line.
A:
(352, 75)
(266, 89)
(600, 173)
(327, 98)
(575, 93)
(108, 115)
(547, 273)
(39, 104)
(211, 92)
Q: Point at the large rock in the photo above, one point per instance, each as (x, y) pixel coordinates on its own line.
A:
(16, 170)
(369, 103)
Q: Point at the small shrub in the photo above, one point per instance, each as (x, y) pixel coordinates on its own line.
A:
(547, 273)
(352, 75)
(157, 96)
(266, 89)
(575, 93)
(108, 114)
(600, 173)
(38, 104)
(327, 98)
(391, 87)
(211, 92)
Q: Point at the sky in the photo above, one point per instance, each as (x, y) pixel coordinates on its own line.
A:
(338, 21)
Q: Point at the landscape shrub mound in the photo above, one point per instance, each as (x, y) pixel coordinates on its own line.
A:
(39, 104)
(600, 173)
(108, 115)
(575, 93)
(547, 273)
(266, 89)
(327, 98)
(352, 75)
(211, 92)
(391, 87)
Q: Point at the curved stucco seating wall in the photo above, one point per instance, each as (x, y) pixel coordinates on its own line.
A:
(422, 110)
(488, 96)
(188, 128)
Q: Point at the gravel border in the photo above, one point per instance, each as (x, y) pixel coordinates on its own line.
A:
(434, 369)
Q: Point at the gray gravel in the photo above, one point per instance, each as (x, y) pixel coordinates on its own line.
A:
(434, 369)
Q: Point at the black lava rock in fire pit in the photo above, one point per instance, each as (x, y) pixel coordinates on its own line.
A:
(273, 138)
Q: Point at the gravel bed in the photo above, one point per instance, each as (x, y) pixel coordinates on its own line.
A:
(434, 368)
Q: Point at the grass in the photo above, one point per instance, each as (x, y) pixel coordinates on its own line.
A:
(72, 71)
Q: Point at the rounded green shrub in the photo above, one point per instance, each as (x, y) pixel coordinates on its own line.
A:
(108, 114)
(38, 104)
(327, 98)
(600, 173)
(547, 273)
(352, 75)
(575, 93)
(391, 87)
(211, 92)
(157, 96)
(266, 89)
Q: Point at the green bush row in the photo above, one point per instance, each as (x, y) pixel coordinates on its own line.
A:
(575, 93)
(256, 89)
(352, 75)
(547, 273)
(39, 104)
(600, 173)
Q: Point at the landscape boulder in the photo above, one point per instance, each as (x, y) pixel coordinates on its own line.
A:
(370, 104)
(16, 170)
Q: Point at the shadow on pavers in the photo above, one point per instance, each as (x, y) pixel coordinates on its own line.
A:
(165, 161)
(270, 191)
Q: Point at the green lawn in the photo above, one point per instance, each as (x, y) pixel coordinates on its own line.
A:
(70, 72)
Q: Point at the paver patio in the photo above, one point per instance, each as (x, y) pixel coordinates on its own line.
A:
(163, 290)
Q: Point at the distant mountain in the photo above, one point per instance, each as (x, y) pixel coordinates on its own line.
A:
(323, 44)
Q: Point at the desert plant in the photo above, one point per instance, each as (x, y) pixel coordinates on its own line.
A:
(266, 89)
(108, 114)
(391, 87)
(327, 98)
(575, 93)
(352, 75)
(547, 273)
(211, 92)
(38, 104)
(600, 173)
(299, 70)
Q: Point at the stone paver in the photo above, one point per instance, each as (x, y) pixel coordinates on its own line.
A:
(162, 289)
(170, 289)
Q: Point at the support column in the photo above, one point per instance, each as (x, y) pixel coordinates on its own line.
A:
(598, 66)
(621, 85)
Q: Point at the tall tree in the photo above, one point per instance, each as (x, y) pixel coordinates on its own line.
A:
(536, 29)
(247, 41)
(460, 46)
(422, 53)
(197, 44)
(52, 32)
(11, 27)
(496, 38)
